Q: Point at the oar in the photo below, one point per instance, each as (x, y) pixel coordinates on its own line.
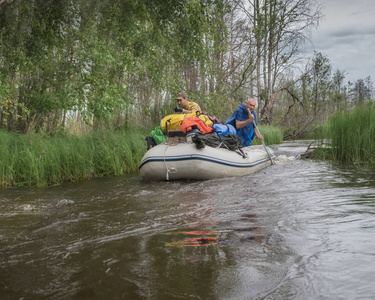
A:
(264, 145)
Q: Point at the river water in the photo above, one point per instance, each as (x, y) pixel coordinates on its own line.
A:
(299, 229)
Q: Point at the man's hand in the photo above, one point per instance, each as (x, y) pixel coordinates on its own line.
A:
(251, 116)
(178, 109)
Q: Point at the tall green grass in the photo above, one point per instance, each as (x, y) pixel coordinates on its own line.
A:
(353, 136)
(42, 160)
(271, 134)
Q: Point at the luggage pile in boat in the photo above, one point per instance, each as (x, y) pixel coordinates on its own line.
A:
(198, 156)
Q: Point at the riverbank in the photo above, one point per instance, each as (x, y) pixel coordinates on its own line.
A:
(36, 160)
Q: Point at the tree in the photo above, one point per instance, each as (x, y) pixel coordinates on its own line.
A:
(362, 91)
(339, 90)
(99, 59)
(280, 29)
(321, 85)
(308, 99)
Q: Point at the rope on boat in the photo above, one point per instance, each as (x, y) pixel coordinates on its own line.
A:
(171, 142)
(165, 163)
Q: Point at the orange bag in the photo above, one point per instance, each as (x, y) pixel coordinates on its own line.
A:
(193, 122)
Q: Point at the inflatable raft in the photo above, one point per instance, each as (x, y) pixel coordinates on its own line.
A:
(175, 160)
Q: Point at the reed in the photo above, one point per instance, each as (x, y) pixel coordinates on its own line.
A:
(42, 160)
(353, 136)
(272, 135)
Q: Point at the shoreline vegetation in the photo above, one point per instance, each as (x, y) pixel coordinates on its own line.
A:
(272, 135)
(352, 135)
(38, 160)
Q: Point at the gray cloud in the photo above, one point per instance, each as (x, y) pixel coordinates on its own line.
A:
(347, 37)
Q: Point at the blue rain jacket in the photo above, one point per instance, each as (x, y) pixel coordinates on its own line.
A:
(246, 133)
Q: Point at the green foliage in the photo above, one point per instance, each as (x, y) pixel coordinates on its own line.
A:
(321, 131)
(41, 160)
(271, 134)
(353, 135)
(120, 63)
(96, 58)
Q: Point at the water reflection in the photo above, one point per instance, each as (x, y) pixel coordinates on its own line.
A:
(296, 230)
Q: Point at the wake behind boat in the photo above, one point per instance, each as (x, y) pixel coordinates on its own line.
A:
(181, 159)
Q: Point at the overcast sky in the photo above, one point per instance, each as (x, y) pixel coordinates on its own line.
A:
(346, 35)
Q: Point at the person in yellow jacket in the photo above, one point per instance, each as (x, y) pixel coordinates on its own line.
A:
(186, 106)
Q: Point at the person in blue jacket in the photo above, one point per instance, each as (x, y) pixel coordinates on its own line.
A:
(243, 122)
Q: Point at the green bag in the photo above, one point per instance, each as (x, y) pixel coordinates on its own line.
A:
(158, 135)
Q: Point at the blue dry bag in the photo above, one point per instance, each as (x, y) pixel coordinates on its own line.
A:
(222, 129)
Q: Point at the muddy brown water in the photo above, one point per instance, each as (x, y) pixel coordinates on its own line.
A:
(299, 229)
